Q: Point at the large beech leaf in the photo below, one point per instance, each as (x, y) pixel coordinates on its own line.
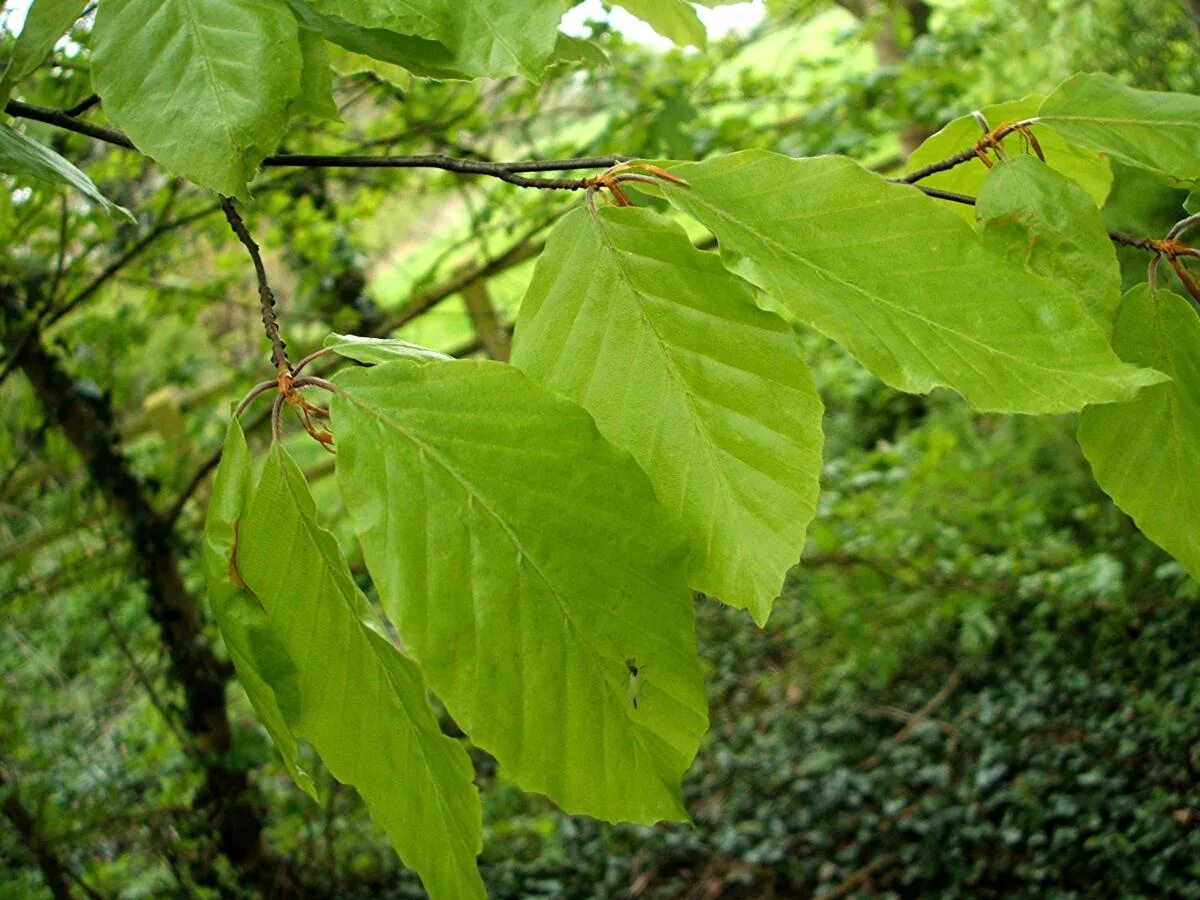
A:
(678, 365)
(263, 665)
(1091, 170)
(45, 22)
(20, 155)
(524, 560)
(202, 86)
(1045, 222)
(1153, 130)
(362, 704)
(1145, 453)
(904, 284)
(675, 20)
(484, 38)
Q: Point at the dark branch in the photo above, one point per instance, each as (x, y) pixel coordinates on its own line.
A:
(266, 296)
(82, 106)
(964, 156)
(506, 171)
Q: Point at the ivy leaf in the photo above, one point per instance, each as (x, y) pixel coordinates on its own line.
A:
(1145, 453)
(20, 155)
(482, 38)
(525, 559)
(363, 705)
(1091, 170)
(45, 22)
(675, 20)
(1153, 130)
(1045, 222)
(202, 86)
(380, 350)
(670, 354)
(903, 284)
(263, 666)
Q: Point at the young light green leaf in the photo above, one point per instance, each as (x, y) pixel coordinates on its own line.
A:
(1191, 203)
(670, 354)
(202, 86)
(1145, 453)
(675, 20)
(524, 559)
(1155, 130)
(1089, 169)
(362, 705)
(1045, 222)
(45, 22)
(20, 155)
(380, 350)
(485, 38)
(263, 665)
(903, 284)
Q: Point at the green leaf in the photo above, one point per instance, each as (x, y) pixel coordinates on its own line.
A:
(20, 155)
(1091, 170)
(675, 20)
(45, 22)
(418, 55)
(1153, 130)
(524, 559)
(1145, 453)
(670, 354)
(578, 53)
(315, 98)
(485, 38)
(1191, 203)
(380, 350)
(363, 705)
(202, 86)
(903, 284)
(263, 666)
(1045, 222)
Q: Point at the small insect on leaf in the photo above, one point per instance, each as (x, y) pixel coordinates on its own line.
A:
(634, 684)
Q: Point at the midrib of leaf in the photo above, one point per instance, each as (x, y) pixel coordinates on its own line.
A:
(1112, 120)
(834, 277)
(473, 492)
(497, 34)
(214, 83)
(319, 539)
(684, 389)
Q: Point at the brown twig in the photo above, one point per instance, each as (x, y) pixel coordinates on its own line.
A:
(990, 140)
(266, 296)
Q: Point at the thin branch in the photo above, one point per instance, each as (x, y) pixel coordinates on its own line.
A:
(82, 106)
(964, 156)
(266, 296)
(140, 675)
(506, 171)
(114, 267)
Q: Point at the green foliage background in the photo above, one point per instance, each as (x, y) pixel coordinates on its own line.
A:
(953, 555)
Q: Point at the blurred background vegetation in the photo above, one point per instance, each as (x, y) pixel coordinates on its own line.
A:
(983, 681)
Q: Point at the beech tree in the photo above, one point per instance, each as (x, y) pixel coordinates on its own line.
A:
(534, 528)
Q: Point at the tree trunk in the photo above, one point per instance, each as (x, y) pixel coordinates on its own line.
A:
(226, 798)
